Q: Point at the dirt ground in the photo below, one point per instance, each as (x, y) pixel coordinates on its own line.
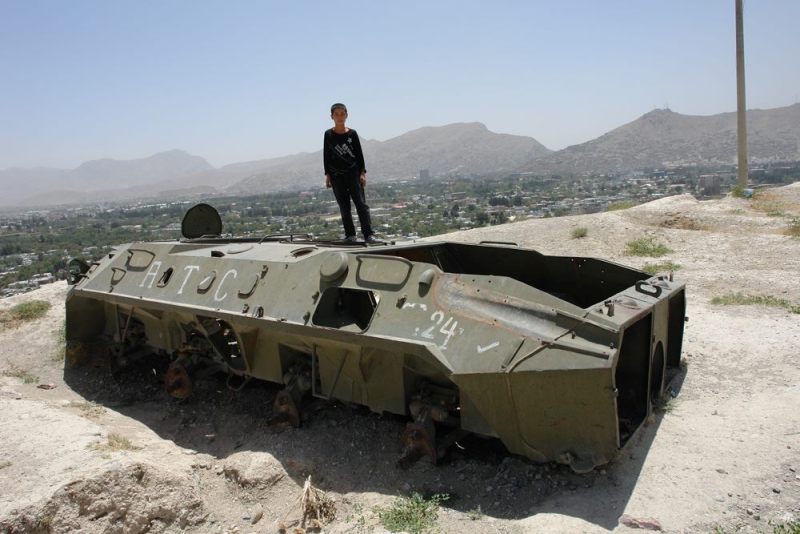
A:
(111, 452)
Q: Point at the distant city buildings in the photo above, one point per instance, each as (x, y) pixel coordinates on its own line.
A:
(35, 246)
(23, 286)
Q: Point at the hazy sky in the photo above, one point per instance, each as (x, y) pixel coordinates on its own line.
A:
(242, 80)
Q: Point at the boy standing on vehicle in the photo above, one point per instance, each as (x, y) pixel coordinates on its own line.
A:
(346, 173)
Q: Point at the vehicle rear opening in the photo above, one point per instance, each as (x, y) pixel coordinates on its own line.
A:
(579, 281)
(632, 377)
(677, 314)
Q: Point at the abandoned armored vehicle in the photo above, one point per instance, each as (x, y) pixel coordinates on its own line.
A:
(561, 358)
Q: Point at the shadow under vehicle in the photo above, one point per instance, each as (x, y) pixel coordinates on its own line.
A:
(561, 358)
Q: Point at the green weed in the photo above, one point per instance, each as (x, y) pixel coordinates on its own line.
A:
(646, 246)
(759, 300)
(25, 311)
(663, 267)
(413, 514)
(792, 527)
(28, 311)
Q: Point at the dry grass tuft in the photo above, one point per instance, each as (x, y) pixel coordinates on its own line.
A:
(22, 374)
(88, 409)
(579, 232)
(116, 442)
(682, 222)
(316, 509)
(794, 227)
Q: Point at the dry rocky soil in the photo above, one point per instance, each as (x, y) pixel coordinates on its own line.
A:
(111, 452)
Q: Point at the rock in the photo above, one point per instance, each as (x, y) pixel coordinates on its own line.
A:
(252, 470)
(257, 517)
(647, 524)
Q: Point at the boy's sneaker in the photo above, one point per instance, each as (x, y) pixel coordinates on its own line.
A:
(372, 240)
(350, 239)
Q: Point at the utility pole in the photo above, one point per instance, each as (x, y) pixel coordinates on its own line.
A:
(741, 106)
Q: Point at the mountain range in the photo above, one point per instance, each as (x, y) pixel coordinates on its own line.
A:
(663, 138)
(656, 139)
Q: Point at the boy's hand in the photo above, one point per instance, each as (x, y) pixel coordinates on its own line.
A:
(363, 179)
(328, 181)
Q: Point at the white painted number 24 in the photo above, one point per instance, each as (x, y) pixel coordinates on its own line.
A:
(448, 328)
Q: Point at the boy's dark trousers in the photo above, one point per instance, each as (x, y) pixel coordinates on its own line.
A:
(346, 186)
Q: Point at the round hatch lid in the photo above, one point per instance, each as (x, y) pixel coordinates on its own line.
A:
(201, 220)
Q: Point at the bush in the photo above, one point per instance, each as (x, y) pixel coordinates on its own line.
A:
(646, 246)
(412, 514)
(28, 311)
(579, 232)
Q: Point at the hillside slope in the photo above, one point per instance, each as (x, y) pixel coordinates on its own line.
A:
(724, 454)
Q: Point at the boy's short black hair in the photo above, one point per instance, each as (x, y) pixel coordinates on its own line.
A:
(338, 105)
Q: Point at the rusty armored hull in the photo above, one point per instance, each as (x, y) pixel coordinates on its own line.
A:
(561, 358)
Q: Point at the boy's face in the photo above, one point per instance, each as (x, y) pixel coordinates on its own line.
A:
(339, 115)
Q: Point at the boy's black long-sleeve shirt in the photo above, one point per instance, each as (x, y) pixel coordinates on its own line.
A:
(342, 153)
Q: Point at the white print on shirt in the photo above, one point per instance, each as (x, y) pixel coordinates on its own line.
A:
(343, 149)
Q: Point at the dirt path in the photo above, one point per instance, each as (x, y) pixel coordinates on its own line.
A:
(726, 452)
